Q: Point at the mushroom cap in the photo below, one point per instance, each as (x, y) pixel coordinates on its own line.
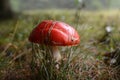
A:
(54, 33)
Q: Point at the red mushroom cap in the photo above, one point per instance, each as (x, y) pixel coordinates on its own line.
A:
(54, 33)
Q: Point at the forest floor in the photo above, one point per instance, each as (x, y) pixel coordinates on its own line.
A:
(20, 60)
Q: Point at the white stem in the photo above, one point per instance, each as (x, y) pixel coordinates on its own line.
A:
(56, 53)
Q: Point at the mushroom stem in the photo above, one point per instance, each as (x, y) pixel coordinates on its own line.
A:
(56, 53)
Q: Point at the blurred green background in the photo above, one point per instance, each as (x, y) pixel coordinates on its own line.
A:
(62, 4)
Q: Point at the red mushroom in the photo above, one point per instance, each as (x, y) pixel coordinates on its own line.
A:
(54, 33)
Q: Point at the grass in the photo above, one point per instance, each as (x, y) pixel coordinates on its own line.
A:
(21, 60)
